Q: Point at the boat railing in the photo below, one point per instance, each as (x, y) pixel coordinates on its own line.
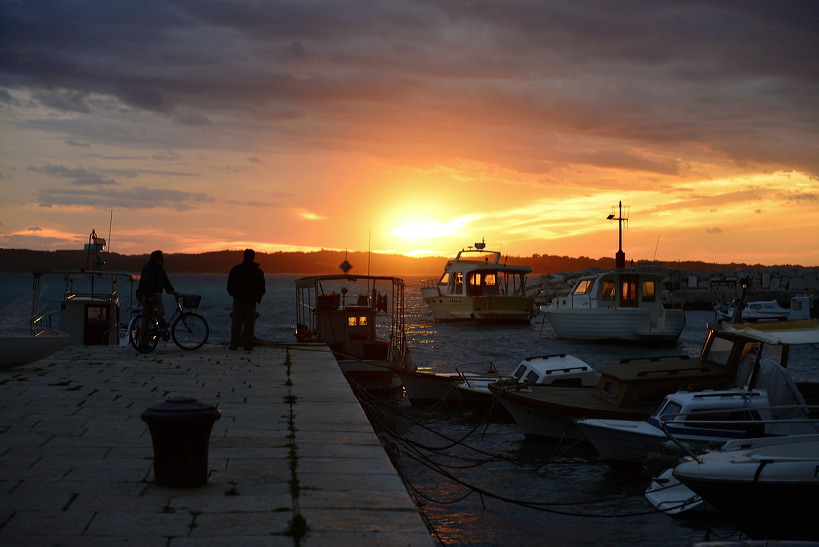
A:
(469, 376)
(43, 323)
(804, 416)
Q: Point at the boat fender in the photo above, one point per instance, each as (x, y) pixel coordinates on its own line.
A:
(409, 362)
(303, 332)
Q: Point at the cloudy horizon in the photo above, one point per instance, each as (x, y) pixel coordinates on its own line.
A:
(414, 127)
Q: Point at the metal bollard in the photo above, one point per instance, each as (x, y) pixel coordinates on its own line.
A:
(180, 430)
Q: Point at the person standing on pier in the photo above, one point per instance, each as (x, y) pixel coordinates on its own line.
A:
(246, 286)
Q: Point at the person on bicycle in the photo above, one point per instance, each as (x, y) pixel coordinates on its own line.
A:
(246, 286)
(151, 283)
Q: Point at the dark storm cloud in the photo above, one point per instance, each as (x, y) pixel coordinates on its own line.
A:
(437, 79)
(77, 177)
(81, 176)
(139, 197)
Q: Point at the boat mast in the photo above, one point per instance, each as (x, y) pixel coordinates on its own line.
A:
(620, 257)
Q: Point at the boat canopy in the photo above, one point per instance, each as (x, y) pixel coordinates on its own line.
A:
(783, 332)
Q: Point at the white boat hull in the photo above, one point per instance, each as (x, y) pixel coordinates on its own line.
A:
(536, 424)
(767, 486)
(21, 349)
(625, 441)
(500, 309)
(615, 323)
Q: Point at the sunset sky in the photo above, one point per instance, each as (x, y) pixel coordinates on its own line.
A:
(413, 126)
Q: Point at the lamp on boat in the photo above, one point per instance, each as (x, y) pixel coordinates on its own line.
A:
(620, 257)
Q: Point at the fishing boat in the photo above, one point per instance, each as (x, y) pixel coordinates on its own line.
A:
(361, 319)
(477, 286)
(769, 404)
(632, 389)
(766, 485)
(89, 310)
(623, 304)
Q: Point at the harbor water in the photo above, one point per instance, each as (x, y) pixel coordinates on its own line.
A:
(478, 482)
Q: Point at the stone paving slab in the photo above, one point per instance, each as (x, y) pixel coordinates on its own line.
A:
(76, 460)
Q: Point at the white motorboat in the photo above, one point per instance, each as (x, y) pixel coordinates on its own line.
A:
(632, 389)
(766, 486)
(477, 286)
(693, 421)
(623, 304)
(361, 319)
(766, 310)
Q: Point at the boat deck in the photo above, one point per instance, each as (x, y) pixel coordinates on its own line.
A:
(292, 443)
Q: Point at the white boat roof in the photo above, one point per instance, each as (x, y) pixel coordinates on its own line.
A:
(482, 259)
(643, 272)
(780, 332)
(98, 273)
(306, 282)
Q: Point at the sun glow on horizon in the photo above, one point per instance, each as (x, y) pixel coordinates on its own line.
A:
(428, 229)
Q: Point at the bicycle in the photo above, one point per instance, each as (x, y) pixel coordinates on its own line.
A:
(189, 330)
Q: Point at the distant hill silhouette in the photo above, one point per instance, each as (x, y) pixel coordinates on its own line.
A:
(317, 262)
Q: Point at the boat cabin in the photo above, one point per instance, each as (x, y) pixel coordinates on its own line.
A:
(558, 369)
(645, 382)
(617, 289)
(349, 329)
(726, 359)
(475, 272)
(89, 309)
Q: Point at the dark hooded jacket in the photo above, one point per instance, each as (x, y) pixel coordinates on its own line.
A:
(152, 280)
(246, 282)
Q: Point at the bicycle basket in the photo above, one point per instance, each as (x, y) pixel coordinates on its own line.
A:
(191, 300)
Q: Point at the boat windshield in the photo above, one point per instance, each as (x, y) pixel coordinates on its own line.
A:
(649, 291)
(669, 410)
(584, 286)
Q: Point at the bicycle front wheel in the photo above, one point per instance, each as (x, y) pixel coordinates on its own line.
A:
(190, 331)
(142, 333)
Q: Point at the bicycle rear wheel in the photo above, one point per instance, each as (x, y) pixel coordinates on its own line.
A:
(143, 334)
(190, 331)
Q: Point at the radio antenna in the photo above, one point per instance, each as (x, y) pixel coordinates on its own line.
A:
(110, 221)
(656, 247)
